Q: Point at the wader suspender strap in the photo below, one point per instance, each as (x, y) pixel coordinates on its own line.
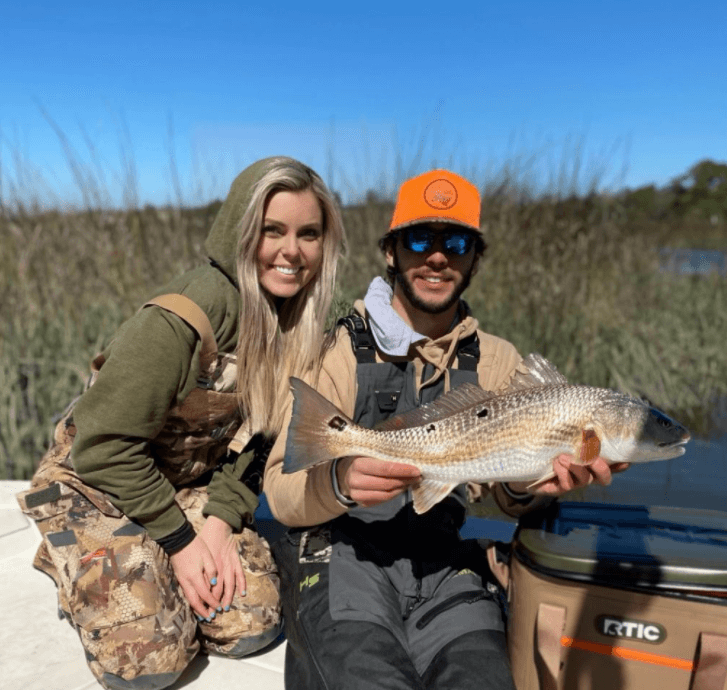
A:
(194, 317)
(362, 340)
(468, 352)
(192, 314)
(364, 346)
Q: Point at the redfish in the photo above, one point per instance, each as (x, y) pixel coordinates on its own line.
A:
(473, 435)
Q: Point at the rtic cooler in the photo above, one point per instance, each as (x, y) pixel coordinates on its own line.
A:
(619, 597)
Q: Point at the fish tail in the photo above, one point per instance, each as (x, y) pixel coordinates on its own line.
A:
(313, 424)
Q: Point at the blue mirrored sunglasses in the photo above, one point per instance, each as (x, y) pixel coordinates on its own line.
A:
(455, 242)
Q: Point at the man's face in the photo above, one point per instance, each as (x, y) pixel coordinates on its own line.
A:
(432, 281)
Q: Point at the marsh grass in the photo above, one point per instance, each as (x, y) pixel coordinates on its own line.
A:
(67, 281)
(574, 282)
(571, 278)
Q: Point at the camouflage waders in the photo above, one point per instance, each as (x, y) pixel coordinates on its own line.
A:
(116, 585)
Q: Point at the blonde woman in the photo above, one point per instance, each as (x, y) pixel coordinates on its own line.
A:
(145, 500)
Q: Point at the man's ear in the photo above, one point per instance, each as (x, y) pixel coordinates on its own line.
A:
(389, 254)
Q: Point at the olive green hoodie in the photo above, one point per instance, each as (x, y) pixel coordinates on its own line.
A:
(151, 365)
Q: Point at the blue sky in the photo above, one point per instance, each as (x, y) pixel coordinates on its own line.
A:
(630, 93)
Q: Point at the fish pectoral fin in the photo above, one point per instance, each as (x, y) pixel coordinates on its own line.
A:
(590, 449)
(590, 446)
(428, 493)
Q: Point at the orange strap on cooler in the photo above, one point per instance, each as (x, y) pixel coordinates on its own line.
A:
(708, 670)
(193, 315)
(711, 664)
(549, 625)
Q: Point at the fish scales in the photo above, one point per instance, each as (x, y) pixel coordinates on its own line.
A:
(475, 435)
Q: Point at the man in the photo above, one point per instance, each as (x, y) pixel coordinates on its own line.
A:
(374, 594)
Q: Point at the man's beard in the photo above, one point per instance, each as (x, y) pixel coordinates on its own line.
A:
(417, 302)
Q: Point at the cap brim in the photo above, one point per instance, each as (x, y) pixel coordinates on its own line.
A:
(436, 219)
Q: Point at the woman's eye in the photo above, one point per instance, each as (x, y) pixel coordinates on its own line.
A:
(271, 231)
(311, 233)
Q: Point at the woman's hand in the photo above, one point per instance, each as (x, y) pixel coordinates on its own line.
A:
(369, 481)
(217, 535)
(570, 475)
(195, 570)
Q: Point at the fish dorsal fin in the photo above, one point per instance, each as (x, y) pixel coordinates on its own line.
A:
(464, 396)
(540, 373)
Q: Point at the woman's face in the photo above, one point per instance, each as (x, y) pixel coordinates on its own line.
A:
(290, 251)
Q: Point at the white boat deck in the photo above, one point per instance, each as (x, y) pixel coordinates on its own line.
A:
(38, 651)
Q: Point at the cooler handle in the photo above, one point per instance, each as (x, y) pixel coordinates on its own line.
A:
(711, 664)
(550, 624)
(500, 569)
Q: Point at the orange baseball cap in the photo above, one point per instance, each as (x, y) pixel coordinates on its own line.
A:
(437, 196)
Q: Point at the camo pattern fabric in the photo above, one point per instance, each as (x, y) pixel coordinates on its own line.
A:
(115, 584)
(197, 431)
(194, 438)
(117, 588)
(255, 616)
(315, 545)
(56, 467)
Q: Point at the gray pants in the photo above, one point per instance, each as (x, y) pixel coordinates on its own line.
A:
(364, 610)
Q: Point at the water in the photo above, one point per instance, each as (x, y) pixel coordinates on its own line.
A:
(693, 261)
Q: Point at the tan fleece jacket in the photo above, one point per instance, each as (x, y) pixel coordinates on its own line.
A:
(307, 498)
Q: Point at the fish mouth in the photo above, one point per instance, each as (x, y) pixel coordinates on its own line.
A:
(674, 444)
(674, 449)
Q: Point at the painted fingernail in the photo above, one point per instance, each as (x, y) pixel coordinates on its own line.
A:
(199, 618)
(243, 593)
(227, 608)
(219, 608)
(209, 620)
(213, 581)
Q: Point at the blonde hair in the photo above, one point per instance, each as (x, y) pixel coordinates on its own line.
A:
(274, 344)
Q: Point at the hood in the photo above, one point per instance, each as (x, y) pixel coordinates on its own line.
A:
(440, 353)
(392, 334)
(221, 243)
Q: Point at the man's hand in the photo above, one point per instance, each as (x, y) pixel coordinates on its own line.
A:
(570, 475)
(217, 535)
(195, 570)
(369, 481)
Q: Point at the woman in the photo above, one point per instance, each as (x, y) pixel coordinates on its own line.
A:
(145, 499)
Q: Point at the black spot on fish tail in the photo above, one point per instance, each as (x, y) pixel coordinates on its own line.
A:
(431, 427)
(483, 413)
(337, 423)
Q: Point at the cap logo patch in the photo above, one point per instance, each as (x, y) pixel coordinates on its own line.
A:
(440, 194)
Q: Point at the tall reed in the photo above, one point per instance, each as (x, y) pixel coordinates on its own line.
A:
(568, 277)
